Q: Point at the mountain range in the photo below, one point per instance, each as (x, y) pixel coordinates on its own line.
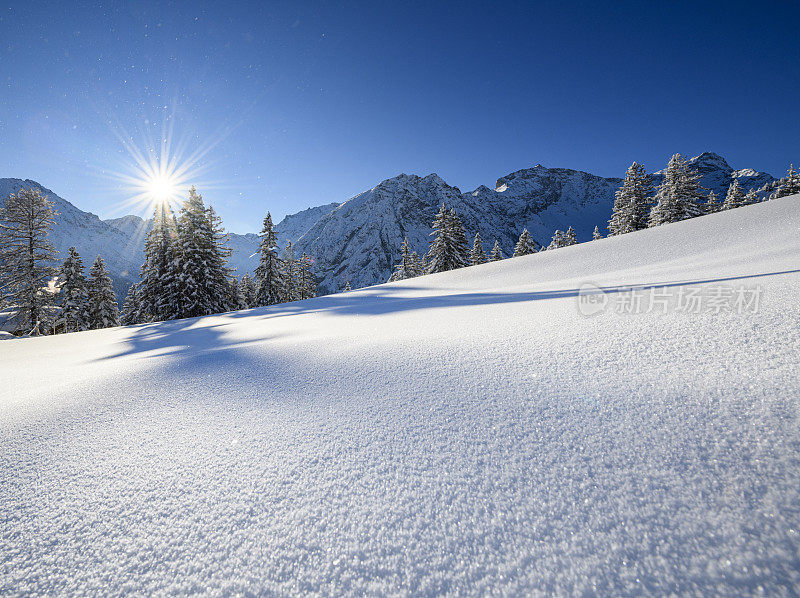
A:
(358, 241)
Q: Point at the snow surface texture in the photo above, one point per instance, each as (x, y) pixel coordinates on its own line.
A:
(462, 433)
(359, 241)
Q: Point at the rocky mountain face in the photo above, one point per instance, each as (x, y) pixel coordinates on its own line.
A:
(358, 241)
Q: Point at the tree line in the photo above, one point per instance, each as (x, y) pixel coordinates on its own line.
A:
(185, 273)
(637, 205)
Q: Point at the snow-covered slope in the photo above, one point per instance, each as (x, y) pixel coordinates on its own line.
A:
(505, 429)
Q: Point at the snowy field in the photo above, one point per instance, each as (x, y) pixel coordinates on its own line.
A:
(479, 431)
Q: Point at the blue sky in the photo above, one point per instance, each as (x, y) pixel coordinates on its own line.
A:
(299, 104)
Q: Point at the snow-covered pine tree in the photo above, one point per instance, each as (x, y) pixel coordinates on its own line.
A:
(306, 283)
(570, 238)
(415, 265)
(247, 291)
(678, 197)
(751, 197)
(226, 281)
(449, 249)
(202, 262)
(525, 245)
(712, 204)
(103, 310)
(734, 197)
(269, 278)
(632, 202)
(497, 253)
(478, 255)
(289, 274)
(596, 234)
(156, 293)
(558, 240)
(788, 185)
(404, 268)
(26, 257)
(347, 287)
(130, 308)
(74, 295)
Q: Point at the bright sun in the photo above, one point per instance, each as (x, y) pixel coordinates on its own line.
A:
(162, 188)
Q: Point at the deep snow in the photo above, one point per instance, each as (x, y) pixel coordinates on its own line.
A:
(465, 432)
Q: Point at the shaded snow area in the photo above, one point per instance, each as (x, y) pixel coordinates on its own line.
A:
(462, 433)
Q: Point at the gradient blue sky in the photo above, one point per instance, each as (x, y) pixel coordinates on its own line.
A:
(307, 103)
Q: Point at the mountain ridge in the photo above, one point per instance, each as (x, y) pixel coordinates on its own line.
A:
(357, 241)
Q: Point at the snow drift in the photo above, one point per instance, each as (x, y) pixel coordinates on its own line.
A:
(473, 431)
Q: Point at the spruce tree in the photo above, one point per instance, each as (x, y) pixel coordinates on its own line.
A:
(632, 202)
(596, 234)
(74, 294)
(289, 274)
(497, 253)
(570, 238)
(678, 197)
(525, 245)
(415, 265)
(306, 283)
(26, 257)
(751, 197)
(558, 240)
(269, 278)
(347, 287)
(478, 256)
(225, 280)
(159, 293)
(405, 268)
(712, 204)
(103, 310)
(248, 292)
(202, 262)
(130, 308)
(734, 197)
(788, 185)
(449, 249)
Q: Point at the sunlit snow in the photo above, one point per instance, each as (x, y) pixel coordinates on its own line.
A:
(473, 432)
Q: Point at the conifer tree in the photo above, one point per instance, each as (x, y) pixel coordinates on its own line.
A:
(788, 185)
(734, 197)
(202, 262)
(632, 202)
(712, 204)
(269, 278)
(751, 197)
(497, 253)
(525, 245)
(449, 249)
(347, 287)
(569, 237)
(478, 256)
(103, 310)
(225, 280)
(74, 294)
(306, 284)
(26, 257)
(130, 308)
(596, 234)
(289, 274)
(678, 197)
(407, 266)
(247, 291)
(415, 265)
(158, 293)
(558, 240)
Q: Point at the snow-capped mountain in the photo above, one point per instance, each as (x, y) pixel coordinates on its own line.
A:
(88, 234)
(358, 241)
